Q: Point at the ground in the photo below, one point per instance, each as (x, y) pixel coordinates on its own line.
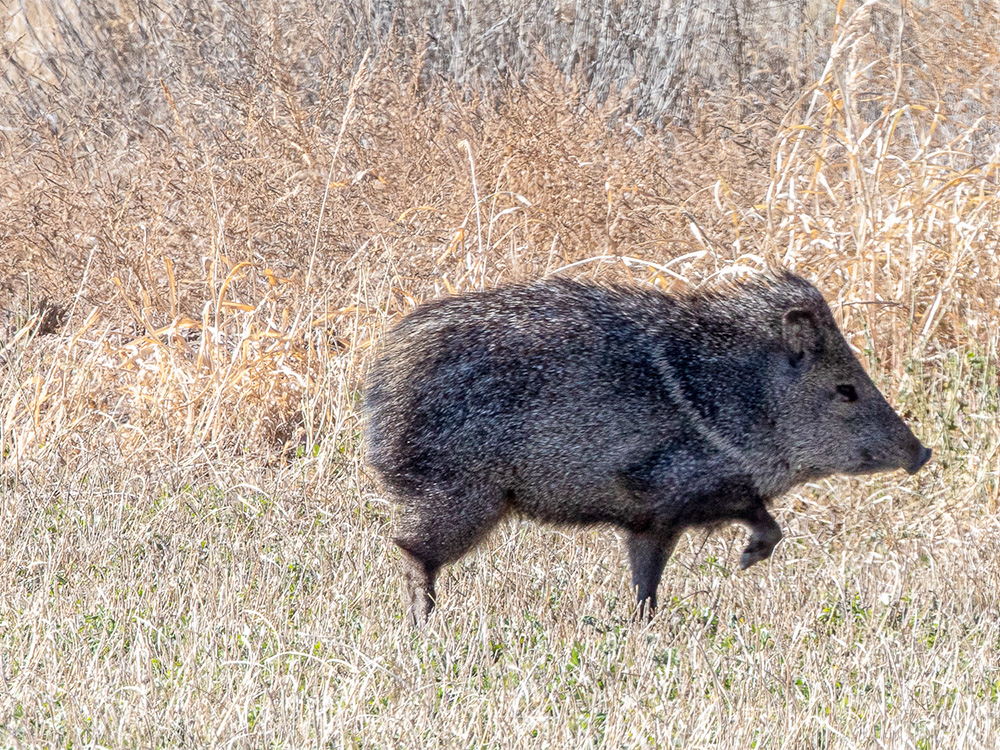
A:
(197, 266)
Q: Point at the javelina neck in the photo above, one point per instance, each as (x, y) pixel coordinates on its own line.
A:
(716, 359)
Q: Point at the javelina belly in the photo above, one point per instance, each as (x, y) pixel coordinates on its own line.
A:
(577, 403)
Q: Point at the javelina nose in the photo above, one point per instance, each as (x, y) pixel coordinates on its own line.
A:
(922, 457)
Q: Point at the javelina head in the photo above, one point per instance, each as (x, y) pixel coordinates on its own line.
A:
(832, 418)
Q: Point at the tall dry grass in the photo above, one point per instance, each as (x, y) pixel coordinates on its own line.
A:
(196, 266)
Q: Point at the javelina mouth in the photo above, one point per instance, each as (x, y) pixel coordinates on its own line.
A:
(923, 456)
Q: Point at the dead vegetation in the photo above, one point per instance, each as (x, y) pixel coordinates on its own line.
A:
(201, 246)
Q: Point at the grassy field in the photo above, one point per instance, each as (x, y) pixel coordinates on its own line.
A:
(199, 251)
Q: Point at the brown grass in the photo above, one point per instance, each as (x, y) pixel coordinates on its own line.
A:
(193, 276)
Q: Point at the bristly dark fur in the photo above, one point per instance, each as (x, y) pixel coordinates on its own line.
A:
(579, 403)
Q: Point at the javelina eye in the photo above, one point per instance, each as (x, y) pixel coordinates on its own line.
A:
(847, 393)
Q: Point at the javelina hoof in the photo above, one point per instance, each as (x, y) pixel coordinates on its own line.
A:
(645, 611)
(754, 553)
(418, 590)
(766, 534)
(648, 554)
(419, 603)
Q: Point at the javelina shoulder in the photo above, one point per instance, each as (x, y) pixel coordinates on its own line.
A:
(580, 403)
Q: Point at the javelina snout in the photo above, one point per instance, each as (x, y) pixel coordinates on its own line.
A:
(921, 455)
(576, 403)
(833, 417)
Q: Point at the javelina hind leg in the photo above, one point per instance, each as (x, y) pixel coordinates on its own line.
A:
(647, 554)
(765, 534)
(418, 587)
(435, 532)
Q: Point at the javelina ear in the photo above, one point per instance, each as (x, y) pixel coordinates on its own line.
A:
(802, 337)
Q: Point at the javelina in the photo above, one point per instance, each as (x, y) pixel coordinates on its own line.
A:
(577, 403)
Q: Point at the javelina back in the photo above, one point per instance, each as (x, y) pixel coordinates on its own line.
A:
(577, 403)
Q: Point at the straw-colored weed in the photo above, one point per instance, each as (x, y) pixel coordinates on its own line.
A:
(197, 264)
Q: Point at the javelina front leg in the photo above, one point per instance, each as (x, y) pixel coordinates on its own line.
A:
(765, 534)
(647, 554)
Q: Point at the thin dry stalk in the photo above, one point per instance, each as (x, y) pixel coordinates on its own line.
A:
(193, 552)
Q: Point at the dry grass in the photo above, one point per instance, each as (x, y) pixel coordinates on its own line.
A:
(195, 269)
